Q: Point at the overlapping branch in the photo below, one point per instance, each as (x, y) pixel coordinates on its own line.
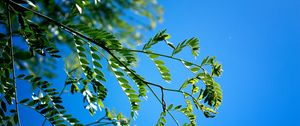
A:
(190, 42)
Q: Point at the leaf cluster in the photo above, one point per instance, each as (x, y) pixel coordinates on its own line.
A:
(93, 48)
(47, 102)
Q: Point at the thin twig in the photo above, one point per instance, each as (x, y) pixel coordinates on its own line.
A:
(162, 99)
(177, 123)
(104, 123)
(98, 121)
(36, 111)
(13, 61)
(167, 56)
(44, 122)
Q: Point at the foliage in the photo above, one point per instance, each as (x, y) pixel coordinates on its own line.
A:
(94, 44)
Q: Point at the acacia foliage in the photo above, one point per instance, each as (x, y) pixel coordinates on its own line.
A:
(92, 49)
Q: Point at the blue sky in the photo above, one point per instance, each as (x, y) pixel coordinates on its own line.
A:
(257, 42)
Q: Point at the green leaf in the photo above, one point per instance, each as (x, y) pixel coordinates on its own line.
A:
(32, 103)
(189, 65)
(108, 114)
(153, 56)
(212, 94)
(94, 48)
(9, 123)
(204, 61)
(217, 69)
(3, 106)
(188, 112)
(95, 56)
(83, 61)
(195, 89)
(97, 64)
(100, 36)
(46, 110)
(128, 90)
(193, 43)
(128, 57)
(21, 76)
(28, 77)
(24, 101)
(36, 79)
(160, 65)
(170, 107)
(170, 44)
(161, 120)
(16, 119)
(79, 8)
(208, 61)
(200, 96)
(55, 56)
(122, 80)
(160, 36)
(100, 90)
(100, 103)
(79, 47)
(189, 81)
(12, 111)
(139, 80)
(186, 64)
(74, 88)
(208, 115)
(22, 55)
(40, 106)
(177, 107)
(195, 69)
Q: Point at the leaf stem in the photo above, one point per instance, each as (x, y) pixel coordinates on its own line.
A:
(167, 56)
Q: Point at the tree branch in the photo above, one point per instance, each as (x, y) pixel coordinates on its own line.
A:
(74, 32)
(13, 61)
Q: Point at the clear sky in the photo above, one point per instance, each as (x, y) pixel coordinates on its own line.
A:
(258, 43)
